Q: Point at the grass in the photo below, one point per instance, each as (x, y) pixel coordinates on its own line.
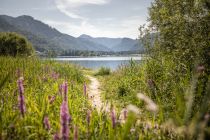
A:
(41, 82)
(103, 71)
(177, 95)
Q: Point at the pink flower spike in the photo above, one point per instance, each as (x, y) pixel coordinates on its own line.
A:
(88, 117)
(113, 118)
(64, 117)
(46, 123)
(65, 88)
(21, 96)
(56, 136)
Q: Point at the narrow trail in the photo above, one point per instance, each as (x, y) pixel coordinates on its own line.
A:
(94, 95)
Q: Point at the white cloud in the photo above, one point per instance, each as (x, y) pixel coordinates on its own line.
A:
(125, 28)
(68, 6)
(76, 3)
(96, 27)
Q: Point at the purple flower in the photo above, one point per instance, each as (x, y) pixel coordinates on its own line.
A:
(113, 118)
(64, 117)
(46, 123)
(75, 133)
(88, 117)
(21, 96)
(65, 88)
(85, 89)
(56, 136)
(55, 75)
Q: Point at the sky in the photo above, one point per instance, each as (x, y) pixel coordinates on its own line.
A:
(98, 18)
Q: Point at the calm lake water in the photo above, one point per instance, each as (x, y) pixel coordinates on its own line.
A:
(97, 62)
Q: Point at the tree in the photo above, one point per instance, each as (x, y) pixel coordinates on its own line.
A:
(184, 30)
(13, 44)
(179, 63)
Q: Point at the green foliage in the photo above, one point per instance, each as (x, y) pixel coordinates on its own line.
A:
(175, 73)
(41, 82)
(103, 71)
(183, 28)
(13, 44)
(181, 46)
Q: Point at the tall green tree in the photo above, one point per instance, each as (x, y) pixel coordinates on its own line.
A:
(13, 44)
(179, 50)
(183, 28)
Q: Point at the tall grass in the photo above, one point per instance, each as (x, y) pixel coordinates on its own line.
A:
(48, 106)
(182, 98)
(54, 93)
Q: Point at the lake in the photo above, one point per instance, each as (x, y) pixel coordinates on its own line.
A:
(97, 62)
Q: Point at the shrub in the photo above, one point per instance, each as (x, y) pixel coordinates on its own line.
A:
(13, 44)
(103, 71)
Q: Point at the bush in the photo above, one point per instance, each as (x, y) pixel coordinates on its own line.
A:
(13, 44)
(103, 71)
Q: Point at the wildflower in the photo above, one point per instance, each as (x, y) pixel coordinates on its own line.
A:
(133, 109)
(64, 116)
(46, 123)
(123, 116)
(55, 75)
(75, 133)
(21, 96)
(56, 136)
(113, 118)
(88, 117)
(150, 105)
(65, 88)
(85, 89)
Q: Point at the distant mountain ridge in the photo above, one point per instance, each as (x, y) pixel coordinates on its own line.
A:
(44, 37)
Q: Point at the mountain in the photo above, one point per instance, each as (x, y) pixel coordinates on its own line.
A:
(116, 44)
(44, 37)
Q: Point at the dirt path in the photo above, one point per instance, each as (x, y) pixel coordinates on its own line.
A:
(94, 94)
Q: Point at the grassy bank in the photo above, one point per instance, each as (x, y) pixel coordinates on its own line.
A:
(181, 103)
(161, 116)
(44, 114)
(42, 98)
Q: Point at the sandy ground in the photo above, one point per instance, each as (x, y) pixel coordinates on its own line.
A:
(94, 94)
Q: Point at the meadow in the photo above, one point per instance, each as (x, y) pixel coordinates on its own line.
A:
(42, 99)
(54, 104)
(177, 105)
(166, 96)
